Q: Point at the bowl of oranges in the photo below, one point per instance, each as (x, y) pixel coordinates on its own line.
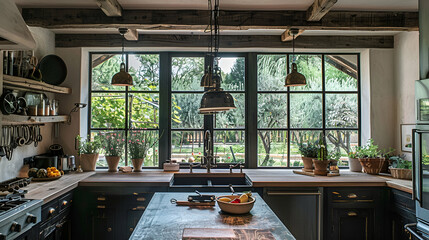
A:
(236, 204)
(48, 174)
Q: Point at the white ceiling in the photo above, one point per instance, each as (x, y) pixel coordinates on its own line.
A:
(372, 5)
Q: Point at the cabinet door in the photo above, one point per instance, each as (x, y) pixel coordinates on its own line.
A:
(103, 224)
(298, 211)
(352, 224)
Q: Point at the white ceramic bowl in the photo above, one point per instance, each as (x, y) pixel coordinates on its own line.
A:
(236, 208)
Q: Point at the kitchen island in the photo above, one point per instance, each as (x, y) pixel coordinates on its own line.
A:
(164, 220)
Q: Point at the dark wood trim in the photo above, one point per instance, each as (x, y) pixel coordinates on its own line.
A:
(319, 9)
(227, 41)
(55, 18)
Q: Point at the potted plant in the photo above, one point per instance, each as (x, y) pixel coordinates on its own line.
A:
(370, 158)
(88, 152)
(308, 153)
(401, 168)
(139, 145)
(333, 161)
(354, 164)
(113, 145)
(322, 162)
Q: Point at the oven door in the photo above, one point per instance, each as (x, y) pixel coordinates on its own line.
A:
(421, 176)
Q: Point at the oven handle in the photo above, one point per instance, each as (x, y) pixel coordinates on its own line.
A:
(408, 228)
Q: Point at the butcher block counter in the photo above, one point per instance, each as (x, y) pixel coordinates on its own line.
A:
(164, 220)
(259, 178)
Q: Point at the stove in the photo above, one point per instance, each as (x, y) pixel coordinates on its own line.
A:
(17, 214)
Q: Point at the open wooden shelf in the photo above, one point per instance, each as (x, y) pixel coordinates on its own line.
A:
(15, 119)
(24, 84)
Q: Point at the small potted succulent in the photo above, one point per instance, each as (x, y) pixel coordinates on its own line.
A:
(354, 164)
(322, 162)
(401, 168)
(88, 151)
(308, 153)
(139, 144)
(113, 145)
(370, 158)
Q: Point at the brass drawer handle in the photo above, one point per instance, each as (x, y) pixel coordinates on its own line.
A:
(141, 199)
(101, 198)
(352, 214)
(109, 229)
(101, 206)
(131, 229)
(352, 195)
(64, 203)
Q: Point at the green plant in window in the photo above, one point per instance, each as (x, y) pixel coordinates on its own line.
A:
(308, 150)
(370, 150)
(322, 153)
(88, 145)
(400, 162)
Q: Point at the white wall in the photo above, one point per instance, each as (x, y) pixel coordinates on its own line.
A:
(45, 41)
(406, 72)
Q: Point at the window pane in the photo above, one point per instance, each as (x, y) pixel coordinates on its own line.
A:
(306, 110)
(144, 68)
(187, 146)
(234, 118)
(342, 110)
(272, 148)
(311, 67)
(233, 73)
(143, 144)
(184, 110)
(296, 139)
(186, 73)
(342, 141)
(271, 72)
(144, 110)
(104, 66)
(341, 72)
(108, 110)
(229, 146)
(113, 142)
(272, 110)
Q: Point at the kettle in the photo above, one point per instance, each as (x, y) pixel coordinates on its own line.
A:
(68, 163)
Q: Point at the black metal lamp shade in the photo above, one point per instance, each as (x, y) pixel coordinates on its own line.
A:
(216, 100)
(295, 78)
(207, 79)
(122, 78)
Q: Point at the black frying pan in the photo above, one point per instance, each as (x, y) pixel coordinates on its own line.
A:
(53, 69)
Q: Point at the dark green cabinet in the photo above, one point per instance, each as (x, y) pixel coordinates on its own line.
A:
(352, 224)
(298, 208)
(402, 211)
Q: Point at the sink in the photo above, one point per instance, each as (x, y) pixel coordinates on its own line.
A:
(219, 180)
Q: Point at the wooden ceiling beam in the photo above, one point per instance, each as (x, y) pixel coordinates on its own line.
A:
(228, 20)
(319, 9)
(287, 35)
(131, 35)
(226, 41)
(110, 7)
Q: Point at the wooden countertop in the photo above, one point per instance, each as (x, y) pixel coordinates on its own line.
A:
(50, 190)
(163, 220)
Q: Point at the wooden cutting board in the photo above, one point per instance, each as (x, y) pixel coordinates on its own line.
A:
(226, 234)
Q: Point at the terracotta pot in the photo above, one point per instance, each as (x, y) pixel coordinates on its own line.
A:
(112, 162)
(401, 173)
(308, 163)
(372, 165)
(354, 165)
(88, 161)
(137, 164)
(320, 167)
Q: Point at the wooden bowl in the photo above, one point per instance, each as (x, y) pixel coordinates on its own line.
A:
(236, 208)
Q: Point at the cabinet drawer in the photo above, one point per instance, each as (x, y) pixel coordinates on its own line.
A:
(338, 195)
(50, 210)
(65, 201)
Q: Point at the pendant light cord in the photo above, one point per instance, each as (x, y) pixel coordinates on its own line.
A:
(293, 48)
(122, 47)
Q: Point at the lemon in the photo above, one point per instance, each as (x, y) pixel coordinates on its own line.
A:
(225, 199)
(244, 198)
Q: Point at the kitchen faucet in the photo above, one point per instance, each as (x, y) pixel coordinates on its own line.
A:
(208, 156)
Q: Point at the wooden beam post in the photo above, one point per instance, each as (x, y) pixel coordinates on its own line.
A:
(318, 9)
(110, 7)
(227, 41)
(287, 35)
(131, 35)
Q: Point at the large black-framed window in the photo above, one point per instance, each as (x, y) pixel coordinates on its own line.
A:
(269, 122)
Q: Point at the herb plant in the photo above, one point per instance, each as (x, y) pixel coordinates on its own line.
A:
(308, 150)
(140, 142)
(335, 156)
(322, 154)
(370, 150)
(86, 146)
(400, 162)
(355, 153)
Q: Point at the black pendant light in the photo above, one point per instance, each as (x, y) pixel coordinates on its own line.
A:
(294, 78)
(214, 99)
(122, 78)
